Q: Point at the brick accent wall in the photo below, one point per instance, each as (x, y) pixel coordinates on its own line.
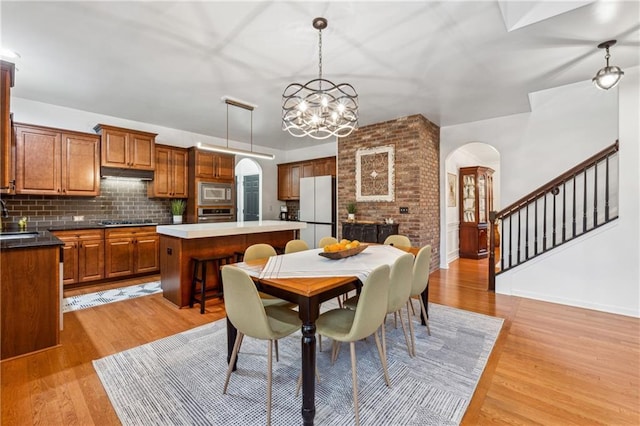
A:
(118, 199)
(417, 153)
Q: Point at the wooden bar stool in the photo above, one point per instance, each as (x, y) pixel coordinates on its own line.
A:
(200, 276)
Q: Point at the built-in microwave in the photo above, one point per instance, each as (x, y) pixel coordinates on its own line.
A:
(215, 194)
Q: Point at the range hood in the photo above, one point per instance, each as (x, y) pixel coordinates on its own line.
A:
(126, 173)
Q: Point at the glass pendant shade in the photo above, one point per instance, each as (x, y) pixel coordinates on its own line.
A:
(609, 76)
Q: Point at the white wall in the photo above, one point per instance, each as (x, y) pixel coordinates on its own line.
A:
(567, 125)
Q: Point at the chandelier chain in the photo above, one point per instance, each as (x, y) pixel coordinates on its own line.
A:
(320, 54)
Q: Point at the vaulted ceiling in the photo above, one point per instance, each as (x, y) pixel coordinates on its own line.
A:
(169, 63)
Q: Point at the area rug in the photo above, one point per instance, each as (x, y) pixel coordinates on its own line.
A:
(91, 300)
(178, 380)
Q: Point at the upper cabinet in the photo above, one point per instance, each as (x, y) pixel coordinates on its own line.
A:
(171, 175)
(289, 175)
(56, 162)
(127, 149)
(212, 166)
(7, 171)
(476, 200)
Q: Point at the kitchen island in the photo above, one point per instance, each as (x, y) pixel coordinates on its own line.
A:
(180, 243)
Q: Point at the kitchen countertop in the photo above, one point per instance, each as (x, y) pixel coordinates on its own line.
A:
(205, 230)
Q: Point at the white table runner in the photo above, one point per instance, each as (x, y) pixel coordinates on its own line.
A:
(309, 264)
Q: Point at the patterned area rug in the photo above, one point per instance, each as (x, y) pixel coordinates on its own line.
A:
(178, 380)
(90, 300)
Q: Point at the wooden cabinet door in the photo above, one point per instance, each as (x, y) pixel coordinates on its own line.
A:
(205, 165)
(325, 166)
(308, 170)
(7, 172)
(141, 151)
(37, 161)
(226, 166)
(161, 184)
(179, 174)
(81, 165)
(147, 253)
(115, 148)
(294, 183)
(90, 260)
(119, 259)
(70, 264)
(284, 182)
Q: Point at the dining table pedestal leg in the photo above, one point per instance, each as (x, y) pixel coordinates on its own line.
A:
(308, 373)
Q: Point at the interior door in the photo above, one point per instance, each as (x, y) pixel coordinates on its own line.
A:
(251, 190)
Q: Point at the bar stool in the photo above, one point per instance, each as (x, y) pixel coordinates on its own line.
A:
(200, 276)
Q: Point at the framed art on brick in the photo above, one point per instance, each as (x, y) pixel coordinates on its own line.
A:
(375, 174)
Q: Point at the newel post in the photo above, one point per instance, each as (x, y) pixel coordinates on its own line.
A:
(492, 253)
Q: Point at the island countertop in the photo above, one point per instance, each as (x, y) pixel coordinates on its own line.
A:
(206, 230)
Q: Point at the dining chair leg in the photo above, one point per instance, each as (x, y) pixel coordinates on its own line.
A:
(234, 355)
(413, 337)
(320, 342)
(269, 367)
(395, 320)
(424, 313)
(384, 341)
(354, 378)
(383, 359)
(404, 331)
(413, 310)
(275, 343)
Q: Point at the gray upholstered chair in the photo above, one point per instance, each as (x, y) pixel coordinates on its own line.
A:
(347, 325)
(295, 246)
(325, 241)
(249, 316)
(419, 283)
(398, 240)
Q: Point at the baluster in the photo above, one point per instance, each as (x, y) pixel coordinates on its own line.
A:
(554, 191)
(535, 227)
(595, 194)
(510, 238)
(573, 220)
(544, 225)
(584, 205)
(526, 232)
(502, 239)
(519, 227)
(564, 211)
(606, 190)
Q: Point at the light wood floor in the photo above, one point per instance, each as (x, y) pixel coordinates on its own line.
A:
(552, 364)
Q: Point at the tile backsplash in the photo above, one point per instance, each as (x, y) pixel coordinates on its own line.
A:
(119, 199)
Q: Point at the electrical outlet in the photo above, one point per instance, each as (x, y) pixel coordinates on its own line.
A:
(78, 218)
(404, 210)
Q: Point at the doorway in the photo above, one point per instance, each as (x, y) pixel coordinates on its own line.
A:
(251, 188)
(248, 190)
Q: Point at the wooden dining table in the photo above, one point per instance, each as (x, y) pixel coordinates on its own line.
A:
(308, 294)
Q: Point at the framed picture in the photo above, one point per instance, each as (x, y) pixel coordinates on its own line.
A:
(451, 190)
(375, 174)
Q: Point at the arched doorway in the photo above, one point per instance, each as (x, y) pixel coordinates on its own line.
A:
(468, 155)
(249, 190)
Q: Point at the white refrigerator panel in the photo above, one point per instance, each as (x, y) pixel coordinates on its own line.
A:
(308, 235)
(307, 200)
(323, 201)
(321, 231)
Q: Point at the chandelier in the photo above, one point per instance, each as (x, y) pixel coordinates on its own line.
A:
(607, 77)
(319, 108)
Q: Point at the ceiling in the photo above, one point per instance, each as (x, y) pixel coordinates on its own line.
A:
(170, 63)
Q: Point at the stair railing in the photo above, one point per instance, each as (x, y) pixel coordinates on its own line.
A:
(576, 202)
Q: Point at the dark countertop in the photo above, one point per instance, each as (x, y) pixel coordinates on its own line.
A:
(46, 238)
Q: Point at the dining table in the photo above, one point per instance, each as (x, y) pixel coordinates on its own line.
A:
(307, 280)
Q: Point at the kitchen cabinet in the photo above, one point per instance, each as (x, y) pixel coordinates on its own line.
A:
(171, 174)
(53, 161)
(211, 165)
(30, 297)
(289, 175)
(83, 255)
(131, 250)
(476, 200)
(368, 232)
(7, 171)
(126, 148)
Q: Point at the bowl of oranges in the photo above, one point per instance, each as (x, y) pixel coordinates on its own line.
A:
(344, 248)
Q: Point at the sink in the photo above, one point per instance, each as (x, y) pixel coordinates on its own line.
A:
(17, 235)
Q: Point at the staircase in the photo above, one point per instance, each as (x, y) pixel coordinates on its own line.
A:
(569, 206)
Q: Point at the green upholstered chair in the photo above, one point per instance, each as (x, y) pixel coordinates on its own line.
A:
(295, 246)
(419, 282)
(261, 251)
(325, 241)
(251, 318)
(347, 325)
(398, 240)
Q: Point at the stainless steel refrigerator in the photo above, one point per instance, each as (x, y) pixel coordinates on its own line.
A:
(317, 208)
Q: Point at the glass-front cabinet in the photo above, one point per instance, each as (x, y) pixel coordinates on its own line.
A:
(476, 200)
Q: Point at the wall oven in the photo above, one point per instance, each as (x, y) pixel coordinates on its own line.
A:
(207, 214)
(215, 194)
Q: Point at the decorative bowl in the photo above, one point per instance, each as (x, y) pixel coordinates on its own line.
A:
(344, 253)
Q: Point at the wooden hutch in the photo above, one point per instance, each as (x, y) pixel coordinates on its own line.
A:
(476, 201)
